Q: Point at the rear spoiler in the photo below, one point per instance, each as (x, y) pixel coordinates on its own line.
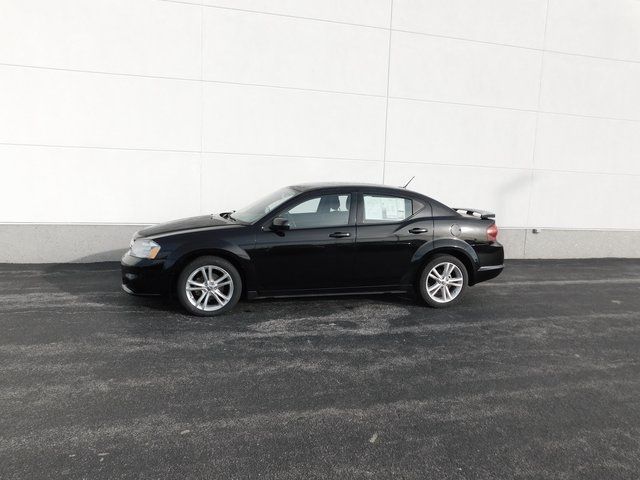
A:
(476, 213)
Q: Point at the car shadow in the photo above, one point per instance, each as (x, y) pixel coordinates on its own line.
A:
(95, 287)
(99, 282)
(91, 283)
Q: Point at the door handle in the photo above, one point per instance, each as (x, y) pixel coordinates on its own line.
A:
(418, 230)
(340, 234)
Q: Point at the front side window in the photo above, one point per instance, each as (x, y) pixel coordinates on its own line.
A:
(378, 208)
(263, 206)
(322, 211)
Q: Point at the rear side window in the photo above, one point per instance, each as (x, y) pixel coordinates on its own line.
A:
(417, 206)
(378, 208)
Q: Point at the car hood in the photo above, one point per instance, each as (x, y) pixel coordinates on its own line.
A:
(203, 221)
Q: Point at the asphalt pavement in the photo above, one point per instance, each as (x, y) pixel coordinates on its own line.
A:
(536, 375)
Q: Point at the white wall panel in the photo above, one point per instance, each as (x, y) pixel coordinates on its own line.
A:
(582, 200)
(459, 71)
(146, 37)
(503, 191)
(274, 121)
(590, 86)
(588, 144)
(47, 184)
(595, 27)
(459, 134)
(265, 49)
(363, 12)
(222, 174)
(510, 22)
(460, 114)
(52, 107)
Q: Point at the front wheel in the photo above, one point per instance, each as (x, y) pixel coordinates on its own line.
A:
(443, 281)
(209, 286)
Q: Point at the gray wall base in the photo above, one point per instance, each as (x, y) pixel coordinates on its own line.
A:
(523, 243)
(46, 243)
(50, 243)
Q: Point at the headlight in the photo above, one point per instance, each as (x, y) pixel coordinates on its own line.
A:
(144, 248)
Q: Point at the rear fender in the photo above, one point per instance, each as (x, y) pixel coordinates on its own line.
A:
(453, 246)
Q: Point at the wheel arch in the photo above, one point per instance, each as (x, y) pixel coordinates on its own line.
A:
(461, 254)
(183, 260)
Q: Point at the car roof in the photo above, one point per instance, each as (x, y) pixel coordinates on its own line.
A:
(306, 187)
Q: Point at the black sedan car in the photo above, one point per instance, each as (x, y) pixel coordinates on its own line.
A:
(317, 239)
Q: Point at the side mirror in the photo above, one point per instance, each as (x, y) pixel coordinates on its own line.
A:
(280, 223)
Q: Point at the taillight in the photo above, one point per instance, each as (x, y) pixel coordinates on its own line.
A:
(492, 233)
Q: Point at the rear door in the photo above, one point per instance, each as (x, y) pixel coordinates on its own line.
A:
(390, 230)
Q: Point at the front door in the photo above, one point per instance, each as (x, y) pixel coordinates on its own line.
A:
(315, 253)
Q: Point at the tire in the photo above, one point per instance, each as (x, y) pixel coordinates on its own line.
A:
(200, 278)
(448, 294)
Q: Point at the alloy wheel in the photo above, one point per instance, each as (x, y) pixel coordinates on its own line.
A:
(209, 288)
(444, 282)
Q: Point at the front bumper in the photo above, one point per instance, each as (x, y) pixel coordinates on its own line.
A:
(141, 276)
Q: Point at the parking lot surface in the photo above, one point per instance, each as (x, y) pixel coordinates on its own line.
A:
(535, 375)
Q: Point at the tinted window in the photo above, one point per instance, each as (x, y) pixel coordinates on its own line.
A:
(386, 209)
(309, 206)
(322, 211)
(258, 209)
(417, 206)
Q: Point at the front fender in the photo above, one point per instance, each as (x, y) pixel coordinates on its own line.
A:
(158, 276)
(203, 245)
(181, 247)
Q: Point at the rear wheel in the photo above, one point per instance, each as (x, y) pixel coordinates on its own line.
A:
(209, 286)
(443, 281)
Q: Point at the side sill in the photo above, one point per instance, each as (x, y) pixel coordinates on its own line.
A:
(256, 296)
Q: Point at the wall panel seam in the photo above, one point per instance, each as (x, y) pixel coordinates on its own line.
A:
(523, 169)
(414, 32)
(337, 92)
(535, 130)
(312, 157)
(275, 14)
(386, 107)
(189, 79)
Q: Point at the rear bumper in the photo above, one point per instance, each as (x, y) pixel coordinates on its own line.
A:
(141, 276)
(487, 273)
(490, 260)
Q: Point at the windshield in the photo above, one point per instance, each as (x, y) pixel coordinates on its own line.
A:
(258, 209)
